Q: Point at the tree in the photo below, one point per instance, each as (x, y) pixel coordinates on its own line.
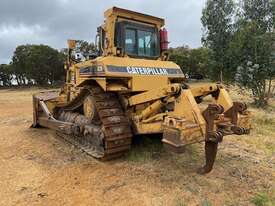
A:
(20, 67)
(254, 46)
(217, 20)
(5, 75)
(259, 12)
(199, 62)
(194, 62)
(85, 48)
(180, 55)
(38, 64)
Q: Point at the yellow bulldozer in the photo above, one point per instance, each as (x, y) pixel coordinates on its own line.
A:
(129, 87)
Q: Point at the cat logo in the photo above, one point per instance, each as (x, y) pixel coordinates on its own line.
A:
(147, 71)
(136, 70)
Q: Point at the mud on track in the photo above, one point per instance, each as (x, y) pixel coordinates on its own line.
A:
(37, 168)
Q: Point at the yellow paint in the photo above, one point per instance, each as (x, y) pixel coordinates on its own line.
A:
(153, 103)
(224, 99)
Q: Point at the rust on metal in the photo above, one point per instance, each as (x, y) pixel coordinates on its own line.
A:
(212, 137)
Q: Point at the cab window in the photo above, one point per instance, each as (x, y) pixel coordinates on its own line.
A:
(140, 42)
(146, 43)
(130, 41)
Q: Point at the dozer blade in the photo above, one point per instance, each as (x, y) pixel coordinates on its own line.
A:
(43, 117)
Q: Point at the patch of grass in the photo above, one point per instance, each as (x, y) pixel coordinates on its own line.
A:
(206, 202)
(263, 120)
(263, 130)
(268, 122)
(149, 148)
(262, 199)
(270, 148)
(192, 152)
(179, 202)
(146, 148)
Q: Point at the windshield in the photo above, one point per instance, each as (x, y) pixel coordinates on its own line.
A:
(141, 42)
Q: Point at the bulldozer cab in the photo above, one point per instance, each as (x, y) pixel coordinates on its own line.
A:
(137, 40)
(128, 33)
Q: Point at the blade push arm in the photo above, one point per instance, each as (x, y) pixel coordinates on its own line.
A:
(222, 117)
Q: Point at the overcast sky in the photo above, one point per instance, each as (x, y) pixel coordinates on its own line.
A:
(52, 22)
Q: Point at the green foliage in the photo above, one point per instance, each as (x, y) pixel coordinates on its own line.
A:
(242, 44)
(86, 48)
(262, 199)
(192, 61)
(205, 202)
(5, 75)
(253, 49)
(180, 202)
(146, 149)
(180, 55)
(260, 12)
(217, 20)
(37, 64)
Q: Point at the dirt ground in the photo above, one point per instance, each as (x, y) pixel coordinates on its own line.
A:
(37, 168)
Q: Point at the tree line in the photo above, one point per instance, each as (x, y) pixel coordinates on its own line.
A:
(240, 36)
(33, 65)
(43, 65)
(238, 47)
(38, 65)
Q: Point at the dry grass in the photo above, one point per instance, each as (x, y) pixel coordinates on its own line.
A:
(39, 169)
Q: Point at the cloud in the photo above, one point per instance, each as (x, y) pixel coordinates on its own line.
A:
(52, 22)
